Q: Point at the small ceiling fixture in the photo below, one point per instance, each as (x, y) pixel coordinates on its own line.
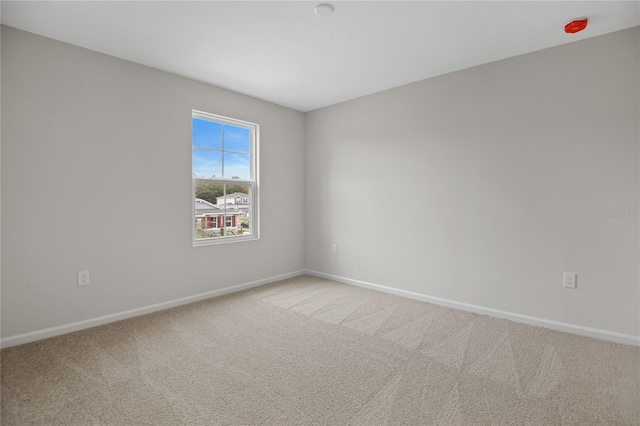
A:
(575, 26)
(323, 9)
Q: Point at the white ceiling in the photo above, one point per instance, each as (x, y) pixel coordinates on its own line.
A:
(283, 53)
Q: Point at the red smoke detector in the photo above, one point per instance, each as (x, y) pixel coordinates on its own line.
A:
(575, 26)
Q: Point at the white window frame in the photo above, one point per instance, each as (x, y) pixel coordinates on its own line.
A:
(252, 182)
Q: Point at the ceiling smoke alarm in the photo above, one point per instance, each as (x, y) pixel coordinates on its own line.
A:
(323, 9)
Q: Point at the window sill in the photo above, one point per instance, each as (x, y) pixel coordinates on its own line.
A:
(224, 240)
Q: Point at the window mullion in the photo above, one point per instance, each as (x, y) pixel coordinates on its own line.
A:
(222, 142)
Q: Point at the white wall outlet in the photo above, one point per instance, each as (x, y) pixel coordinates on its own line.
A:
(334, 249)
(569, 280)
(83, 278)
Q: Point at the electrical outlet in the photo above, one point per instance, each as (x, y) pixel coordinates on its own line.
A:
(569, 280)
(83, 278)
(334, 249)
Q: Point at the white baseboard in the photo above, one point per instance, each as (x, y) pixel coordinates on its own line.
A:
(81, 325)
(525, 319)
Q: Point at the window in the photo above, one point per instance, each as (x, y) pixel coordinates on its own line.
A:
(224, 170)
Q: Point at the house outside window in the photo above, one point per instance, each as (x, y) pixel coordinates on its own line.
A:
(224, 179)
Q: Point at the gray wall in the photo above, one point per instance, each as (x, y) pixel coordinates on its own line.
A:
(483, 186)
(96, 175)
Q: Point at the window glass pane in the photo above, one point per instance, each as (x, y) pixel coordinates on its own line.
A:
(244, 222)
(206, 134)
(236, 139)
(236, 166)
(236, 191)
(233, 211)
(245, 226)
(209, 220)
(206, 163)
(211, 192)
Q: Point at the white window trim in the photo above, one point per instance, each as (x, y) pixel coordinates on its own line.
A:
(253, 182)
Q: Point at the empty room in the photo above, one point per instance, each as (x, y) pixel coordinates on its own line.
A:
(320, 213)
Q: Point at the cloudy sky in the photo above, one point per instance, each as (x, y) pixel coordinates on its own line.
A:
(220, 150)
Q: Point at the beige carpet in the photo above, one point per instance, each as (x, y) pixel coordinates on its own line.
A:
(311, 351)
